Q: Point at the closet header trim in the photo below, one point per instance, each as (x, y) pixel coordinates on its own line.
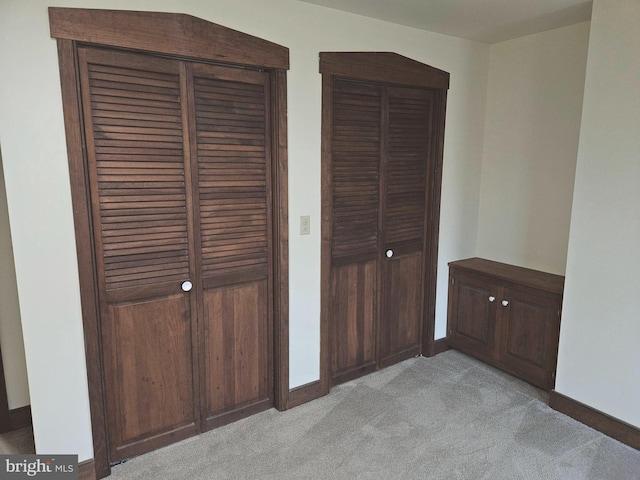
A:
(166, 33)
(383, 67)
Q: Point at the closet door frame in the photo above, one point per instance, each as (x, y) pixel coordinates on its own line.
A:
(389, 69)
(183, 37)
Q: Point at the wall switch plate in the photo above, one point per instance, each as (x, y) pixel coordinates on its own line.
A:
(305, 225)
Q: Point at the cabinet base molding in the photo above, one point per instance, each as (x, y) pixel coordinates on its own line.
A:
(20, 417)
(438, 346)
(304, 393)
(87, 470)
(610, 426)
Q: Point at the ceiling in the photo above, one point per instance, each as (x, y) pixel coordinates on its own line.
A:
(487, 21)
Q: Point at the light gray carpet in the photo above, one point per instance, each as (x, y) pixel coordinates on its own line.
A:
(446, 417)
(17, 441)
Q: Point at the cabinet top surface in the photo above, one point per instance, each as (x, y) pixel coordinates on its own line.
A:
(548, 282)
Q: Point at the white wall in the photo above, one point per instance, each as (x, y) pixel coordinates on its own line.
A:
(34, 151)
(599, 357)
(534, 105)
(13, 360)
(37, 185)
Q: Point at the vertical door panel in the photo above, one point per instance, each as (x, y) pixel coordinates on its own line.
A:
(153, 383)
(407, 146)
(232, 181)
(401, 328)
(353, 290)
(355, 147)
(525, 331)
(472, 322)
(132, 111)
(530, 330)
(473, 314)
(236, 349)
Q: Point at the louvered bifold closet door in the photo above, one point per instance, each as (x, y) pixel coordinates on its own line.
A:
(133, 108)
(355, 159)
(404, 219)
(233, 182)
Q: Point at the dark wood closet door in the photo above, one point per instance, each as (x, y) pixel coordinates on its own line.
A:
(406, 154)
(133, 108)
(179, 160)
(177, 143)
(380, 147)
(354, 184)
(232, 158)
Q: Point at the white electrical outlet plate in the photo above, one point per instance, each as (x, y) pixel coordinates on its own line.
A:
(305, 225)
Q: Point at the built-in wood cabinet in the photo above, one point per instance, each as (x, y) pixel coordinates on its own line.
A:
(506, 316)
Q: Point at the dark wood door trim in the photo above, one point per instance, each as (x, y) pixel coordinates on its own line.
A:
(172, 35)
(326, 235)
(5, 425)
(67, 58)
(387, 69)
(383, 67)
(432, 224)
(280, 193)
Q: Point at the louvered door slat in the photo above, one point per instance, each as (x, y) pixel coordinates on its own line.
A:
(406, 167)
(137, 134)
(232, 173)
(142, 111)
(355, 148)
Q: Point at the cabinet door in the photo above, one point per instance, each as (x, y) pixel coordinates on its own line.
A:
(529, 338)
(472, 316)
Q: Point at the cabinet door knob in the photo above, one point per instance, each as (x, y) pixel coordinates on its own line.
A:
(389, 253)
(187, 286)
(505, 303)
(492, 298)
